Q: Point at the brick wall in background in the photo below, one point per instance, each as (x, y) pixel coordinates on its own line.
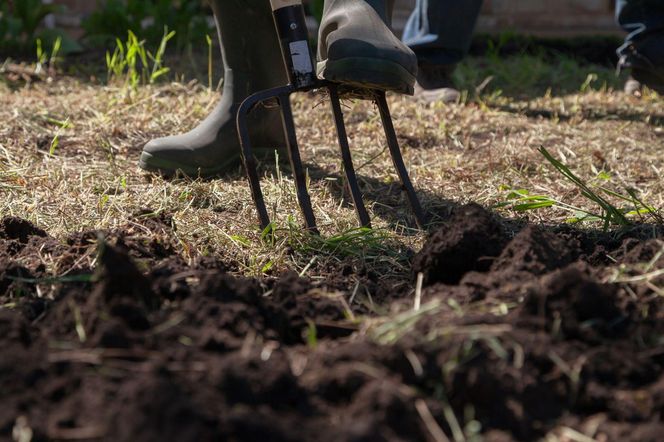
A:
(538, 17)
(549, 17)
(75, 10)
(78, 6)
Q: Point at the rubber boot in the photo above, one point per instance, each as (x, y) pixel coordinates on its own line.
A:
(252, 62)
(357, 47)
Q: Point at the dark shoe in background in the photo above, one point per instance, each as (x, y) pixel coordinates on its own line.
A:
(435, 84)
(643, 72)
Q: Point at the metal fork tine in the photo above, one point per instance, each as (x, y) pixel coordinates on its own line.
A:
(296, 164)
(397, 159)
(351, 178)
(249, 160)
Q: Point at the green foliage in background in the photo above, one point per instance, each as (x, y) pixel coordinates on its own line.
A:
(529, 70)
(20, 31)
(147, 19)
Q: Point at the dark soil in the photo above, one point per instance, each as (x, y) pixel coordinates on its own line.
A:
(518, 336)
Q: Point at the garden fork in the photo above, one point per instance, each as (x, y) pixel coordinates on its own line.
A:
(292, 31)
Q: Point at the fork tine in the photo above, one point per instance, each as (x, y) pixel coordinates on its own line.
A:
(249, 160)
(351, 178)
(397, 159)
(296, 164)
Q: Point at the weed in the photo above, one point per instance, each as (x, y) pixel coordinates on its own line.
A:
(132, 64)
(41, 55)
(590, 79)
(608, 214)
(55, 142)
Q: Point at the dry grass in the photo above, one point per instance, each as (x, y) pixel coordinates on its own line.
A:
(471, 151)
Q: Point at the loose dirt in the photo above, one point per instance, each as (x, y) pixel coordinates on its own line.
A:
(519, 335)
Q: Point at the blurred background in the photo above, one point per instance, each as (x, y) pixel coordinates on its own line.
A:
(554, 43)
(88, 23)
(535, 17)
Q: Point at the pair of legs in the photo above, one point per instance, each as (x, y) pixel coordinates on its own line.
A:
(356, 47)
(440, 33)
(643, 51)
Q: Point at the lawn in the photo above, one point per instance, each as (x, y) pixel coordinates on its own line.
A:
(134, 307)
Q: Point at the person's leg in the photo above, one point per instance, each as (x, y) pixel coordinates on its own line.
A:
(252, 62)
(643, 51)
(440, 33)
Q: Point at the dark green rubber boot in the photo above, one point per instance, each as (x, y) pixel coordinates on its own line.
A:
(357, 47)
(252, 62)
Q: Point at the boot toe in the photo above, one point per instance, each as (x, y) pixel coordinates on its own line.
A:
(167, 156)
(378, 63)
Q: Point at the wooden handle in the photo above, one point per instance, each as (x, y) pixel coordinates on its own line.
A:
(278, 4)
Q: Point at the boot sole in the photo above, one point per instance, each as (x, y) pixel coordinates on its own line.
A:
(371, 73)
(167, 169)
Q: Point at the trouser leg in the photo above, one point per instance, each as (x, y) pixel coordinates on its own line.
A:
(643, 20)
(440, 31)
(643, 50)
